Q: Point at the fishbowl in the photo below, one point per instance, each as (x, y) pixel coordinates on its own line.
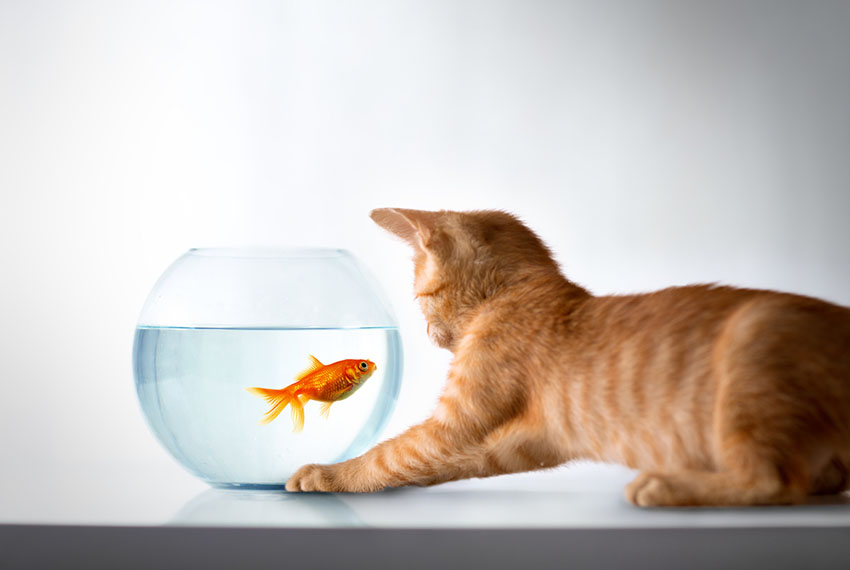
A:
(310, 324)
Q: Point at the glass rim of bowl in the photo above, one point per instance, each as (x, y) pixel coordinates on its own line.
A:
(267, 287)
(261, 252)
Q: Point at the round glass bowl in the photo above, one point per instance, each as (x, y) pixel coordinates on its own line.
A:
(222, 320)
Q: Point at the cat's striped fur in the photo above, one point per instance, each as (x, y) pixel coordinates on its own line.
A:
(718, 395)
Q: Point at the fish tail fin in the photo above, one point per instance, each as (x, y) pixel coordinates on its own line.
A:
(279, 399)
(297, 410)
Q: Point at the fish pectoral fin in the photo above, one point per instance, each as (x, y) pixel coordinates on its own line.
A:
(325, 409)
(297, 406)
(315, 364)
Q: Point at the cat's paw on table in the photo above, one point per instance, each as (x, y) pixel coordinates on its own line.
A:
(316, 478)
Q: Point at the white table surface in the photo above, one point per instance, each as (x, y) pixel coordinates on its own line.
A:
(574, 496)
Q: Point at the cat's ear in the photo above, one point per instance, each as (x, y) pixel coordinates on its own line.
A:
(415, 226)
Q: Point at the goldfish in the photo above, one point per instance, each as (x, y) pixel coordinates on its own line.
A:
(324, 383)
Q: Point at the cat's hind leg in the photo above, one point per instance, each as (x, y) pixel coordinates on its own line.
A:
(759, 460)
(703, 488)
(834, 478)
(750, 482)
(779, 416)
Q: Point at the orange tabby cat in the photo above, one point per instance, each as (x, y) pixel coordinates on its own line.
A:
(720, 396)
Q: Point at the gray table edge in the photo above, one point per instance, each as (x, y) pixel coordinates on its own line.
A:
(67, 546)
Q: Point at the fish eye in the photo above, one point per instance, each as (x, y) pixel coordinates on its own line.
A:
(364, 367)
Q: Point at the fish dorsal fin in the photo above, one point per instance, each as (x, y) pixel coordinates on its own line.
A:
(314, 365)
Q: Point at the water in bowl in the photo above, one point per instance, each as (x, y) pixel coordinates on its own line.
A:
(191, 384)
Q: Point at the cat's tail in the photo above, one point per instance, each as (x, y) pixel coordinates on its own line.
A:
(279, 399)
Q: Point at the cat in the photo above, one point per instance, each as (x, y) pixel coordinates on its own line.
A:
(717, 395)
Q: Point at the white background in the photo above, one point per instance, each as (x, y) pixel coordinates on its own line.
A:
(649, 143)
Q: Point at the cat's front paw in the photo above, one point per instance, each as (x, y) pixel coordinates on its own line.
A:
(316, 478)
(346, 477)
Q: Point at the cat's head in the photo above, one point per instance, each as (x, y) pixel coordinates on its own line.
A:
(463, 258)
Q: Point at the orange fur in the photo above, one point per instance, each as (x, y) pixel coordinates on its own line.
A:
(718, 395)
